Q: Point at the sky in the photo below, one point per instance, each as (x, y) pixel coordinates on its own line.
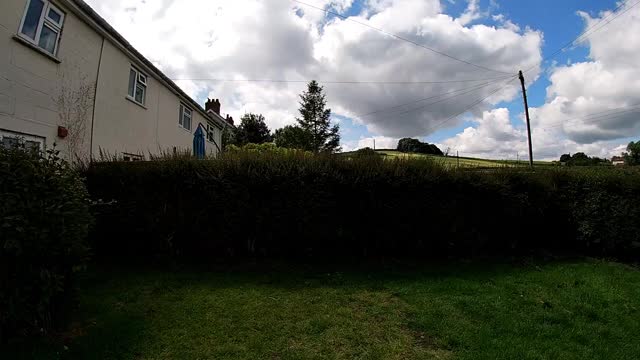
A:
(443, 71)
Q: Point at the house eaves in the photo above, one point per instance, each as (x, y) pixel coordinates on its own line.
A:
(91, 17)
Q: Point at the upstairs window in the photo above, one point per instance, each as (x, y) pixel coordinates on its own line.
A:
(137, 86)
(42, 25)
(186, 115)
(211, 133)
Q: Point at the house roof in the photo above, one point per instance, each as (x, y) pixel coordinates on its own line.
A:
(104, 25)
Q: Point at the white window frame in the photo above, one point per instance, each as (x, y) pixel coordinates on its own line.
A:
(211, 132)
(44, 21)
(185, 110)
(22, 138)
(128, 157)
(141, 80)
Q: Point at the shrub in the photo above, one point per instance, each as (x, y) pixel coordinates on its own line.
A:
(44, 220)
(251, 203)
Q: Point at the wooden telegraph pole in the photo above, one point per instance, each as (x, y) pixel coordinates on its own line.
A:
(526, 111)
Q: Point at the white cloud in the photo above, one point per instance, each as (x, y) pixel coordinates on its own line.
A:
(607, 85)
(381, 142)
(492, 136)
(608, 82)
(279, 39)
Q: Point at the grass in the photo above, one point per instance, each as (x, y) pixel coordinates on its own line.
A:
(584, 309)
(453, 161)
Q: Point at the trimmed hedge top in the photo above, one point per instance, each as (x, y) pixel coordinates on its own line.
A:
(297, 204)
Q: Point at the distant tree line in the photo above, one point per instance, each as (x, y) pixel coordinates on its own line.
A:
(408, 145)
(582, 159)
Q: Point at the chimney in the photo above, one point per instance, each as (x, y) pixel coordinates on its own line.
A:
(230, 119)
(213, 105)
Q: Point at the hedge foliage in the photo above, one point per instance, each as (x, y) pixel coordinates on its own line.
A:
(296, 205)
(44, 222)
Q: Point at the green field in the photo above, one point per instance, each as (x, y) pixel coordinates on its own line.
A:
(453, 161)
(584, 309)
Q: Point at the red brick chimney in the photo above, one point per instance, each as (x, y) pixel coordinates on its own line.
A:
(230, 119)
(213, 105)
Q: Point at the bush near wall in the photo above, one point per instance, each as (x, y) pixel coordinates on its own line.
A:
(44, 220)
(297, 205)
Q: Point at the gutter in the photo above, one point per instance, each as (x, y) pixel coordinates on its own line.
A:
(100, 25)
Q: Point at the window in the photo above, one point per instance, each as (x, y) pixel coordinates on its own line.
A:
(42, 25)
(137, 86)
(127, 157)
(10, 139)
(186, 115)
(210, 133)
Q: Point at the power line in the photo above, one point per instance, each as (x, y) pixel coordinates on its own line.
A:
(421, 100)
(599, 116)
(591, 30)
(399, 37)
(441, 100)
(471, 106)
(609, 21)
(355, 82)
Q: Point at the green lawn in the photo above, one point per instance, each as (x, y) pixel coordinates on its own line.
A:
(572, 310)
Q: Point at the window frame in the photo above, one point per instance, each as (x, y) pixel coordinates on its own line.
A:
(143, 85)
(43, 21)
(23, 138)
(183, 109)
(129, 157)
(211, 130)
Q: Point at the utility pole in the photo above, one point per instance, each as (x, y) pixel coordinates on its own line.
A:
(526, 111)
(458, 158)
(374, 144)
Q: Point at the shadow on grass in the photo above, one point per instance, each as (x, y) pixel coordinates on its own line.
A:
(397, 310)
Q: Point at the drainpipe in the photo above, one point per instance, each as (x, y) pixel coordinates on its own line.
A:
(95, 96)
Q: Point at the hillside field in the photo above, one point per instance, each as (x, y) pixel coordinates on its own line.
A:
(462, 161)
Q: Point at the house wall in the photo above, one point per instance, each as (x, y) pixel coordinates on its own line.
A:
(123, 126)
(31, 83)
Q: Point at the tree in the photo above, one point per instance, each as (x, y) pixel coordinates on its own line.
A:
(632, 157)
(417, 146)
(292, 137)
(316, 121)
(582, 159)
(228, 137)
(252, 130)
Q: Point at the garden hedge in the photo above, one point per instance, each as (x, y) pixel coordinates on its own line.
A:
(295, 204)
(44, 222)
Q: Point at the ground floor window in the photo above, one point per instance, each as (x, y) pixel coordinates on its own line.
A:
(10, 139)
(132, 157)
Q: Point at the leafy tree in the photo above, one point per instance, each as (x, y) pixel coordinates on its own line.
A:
(313, 132)
(252, 130)
(292, 137)
(316, 120)
(417, 146)
(582, 159)
(632, 157)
